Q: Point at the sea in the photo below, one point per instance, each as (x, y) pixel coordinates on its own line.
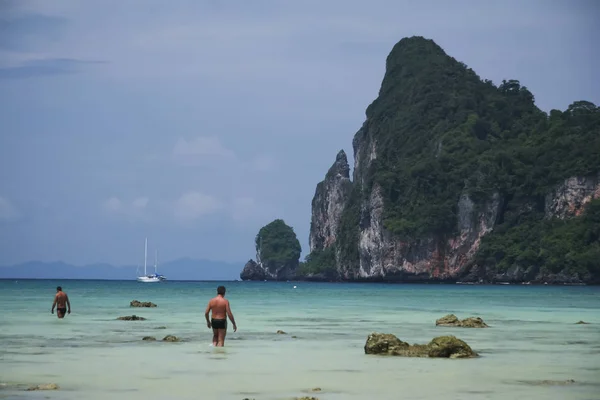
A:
(533, 348)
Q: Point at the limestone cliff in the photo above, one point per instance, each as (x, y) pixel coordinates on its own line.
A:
(328, 203)
(457, 179)
(277, 254)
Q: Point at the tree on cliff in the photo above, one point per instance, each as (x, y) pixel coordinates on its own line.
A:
(277, 242)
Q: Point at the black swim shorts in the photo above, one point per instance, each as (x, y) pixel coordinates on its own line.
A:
(61, 310)
(218, 323)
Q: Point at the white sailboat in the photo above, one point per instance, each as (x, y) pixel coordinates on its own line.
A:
(147, 278)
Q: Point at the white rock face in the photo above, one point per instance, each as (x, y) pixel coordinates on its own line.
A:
(328, 204)
(569, 198)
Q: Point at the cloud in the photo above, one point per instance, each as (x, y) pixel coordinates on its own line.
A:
(200, 149)
(7, 210)
(263, 163)
(131, 210)
(242, 208)
(23, 31)
(44, 67)
(193, 205)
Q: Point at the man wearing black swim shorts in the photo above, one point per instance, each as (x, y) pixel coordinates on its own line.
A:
(61, 301)
(218, 322)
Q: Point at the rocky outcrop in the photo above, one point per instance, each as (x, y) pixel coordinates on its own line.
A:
(45, 386)
(570, 197)
(252, 272)
(439, 347)
(171, 338)
(149, 338)
(131, 318)
(384, 224)
(148, 304)
(277, 254)
(452, 320)
(328, 204)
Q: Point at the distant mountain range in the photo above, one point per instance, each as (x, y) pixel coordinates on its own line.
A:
(184, 269)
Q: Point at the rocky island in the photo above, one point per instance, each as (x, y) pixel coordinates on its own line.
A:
(458, 179)
(277, 254)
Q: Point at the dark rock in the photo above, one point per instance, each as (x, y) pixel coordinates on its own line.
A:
(439, 347)
(46, 386)
(161, 327)
(280, 332)
(149, 338)
(135, 303)
(581, 323)
(171, 338)
(549, 382)
(452, 320)
(252, 272)
(131, 318)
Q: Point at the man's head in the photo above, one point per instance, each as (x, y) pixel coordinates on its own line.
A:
(221, 290)
(58, 289)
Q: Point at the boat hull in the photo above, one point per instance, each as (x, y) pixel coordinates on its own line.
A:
(148, 279)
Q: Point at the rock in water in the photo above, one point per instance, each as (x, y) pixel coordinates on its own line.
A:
(149, 338)
(449, 347)
(46, 386)
(581, 323)
(277, 254)
(280, 332)
(135, 303)
(171, 338)
(252, 272)
(452, 320)
(439, 347)
(131, 318)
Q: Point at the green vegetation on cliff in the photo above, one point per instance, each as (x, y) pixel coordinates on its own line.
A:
(277, 242)
(572, 245)
(441, 131)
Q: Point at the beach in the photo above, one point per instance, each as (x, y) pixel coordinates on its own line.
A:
(531, 350)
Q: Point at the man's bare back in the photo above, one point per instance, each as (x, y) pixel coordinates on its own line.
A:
(61, 301)
(221, 309)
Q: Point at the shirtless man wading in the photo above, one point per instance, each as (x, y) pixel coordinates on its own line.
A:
(61, 301)
(218, 322)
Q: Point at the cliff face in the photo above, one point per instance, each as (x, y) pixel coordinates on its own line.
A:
(277, 254)
(451, 174)
(328, 204)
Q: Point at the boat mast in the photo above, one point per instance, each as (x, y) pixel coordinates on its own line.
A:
(155, 260)
(145, 255)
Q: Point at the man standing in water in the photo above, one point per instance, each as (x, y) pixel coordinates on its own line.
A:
(218, 322)
(61, 301)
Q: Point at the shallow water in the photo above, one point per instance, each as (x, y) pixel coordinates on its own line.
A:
(532, 337)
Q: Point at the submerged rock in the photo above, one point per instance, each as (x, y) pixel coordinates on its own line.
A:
(149, 338)
(131, 318)
(171, 338)
(439, 347)
(452, 320)
(547, 382)
(46, 386)
(280, 332)
(135, 303)
(581, 323)
(161, 327)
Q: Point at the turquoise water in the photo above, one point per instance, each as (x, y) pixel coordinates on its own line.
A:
(91, 355)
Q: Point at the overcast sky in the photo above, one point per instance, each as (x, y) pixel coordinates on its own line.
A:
(195, 122)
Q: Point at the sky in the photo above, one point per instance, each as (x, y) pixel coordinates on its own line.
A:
(194, 123)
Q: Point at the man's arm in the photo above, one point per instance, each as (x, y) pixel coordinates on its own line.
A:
(68, 304)
(208, 307)
(230, 315)
(54, 303)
